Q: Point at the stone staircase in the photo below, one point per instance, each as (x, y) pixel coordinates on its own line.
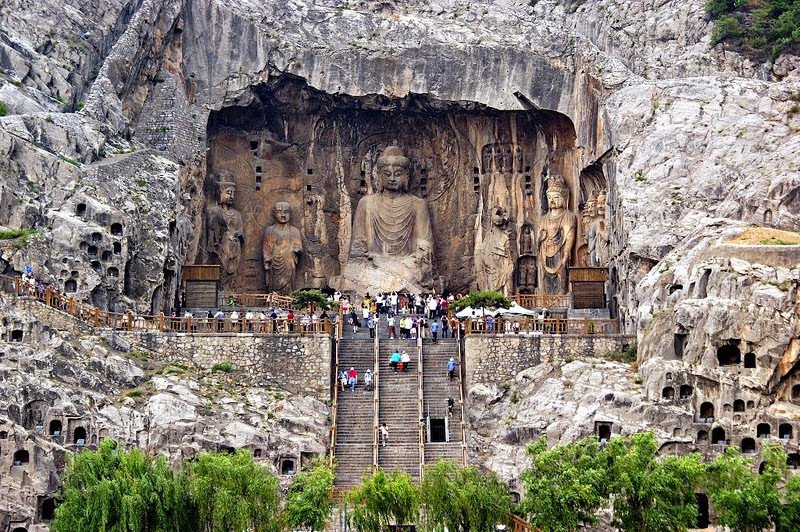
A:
(437, 387)
(398, 408)
(355, 415)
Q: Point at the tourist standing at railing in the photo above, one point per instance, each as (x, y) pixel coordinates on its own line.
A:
(234, 317)
(490, 324)
(249, 316)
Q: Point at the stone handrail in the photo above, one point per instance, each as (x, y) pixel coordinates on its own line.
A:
(335, 405)
(375, 400)
(463, 426)
(542, 326)
(129, 321)
(420, 407)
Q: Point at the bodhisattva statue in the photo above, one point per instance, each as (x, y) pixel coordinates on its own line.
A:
(556, 238)
(495, 266)
(392, 231)
(598, 250)
(281, 246)
(224, 229)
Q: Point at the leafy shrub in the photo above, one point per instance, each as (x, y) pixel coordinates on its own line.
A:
(760, 29)
(225, 367)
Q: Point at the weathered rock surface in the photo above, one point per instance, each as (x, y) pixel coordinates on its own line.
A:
(695, 142)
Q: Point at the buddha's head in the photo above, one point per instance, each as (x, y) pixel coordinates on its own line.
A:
(557, 193)
(282, 212)
(499, 216)
(394, 170)
(600, 204)
(227, 188)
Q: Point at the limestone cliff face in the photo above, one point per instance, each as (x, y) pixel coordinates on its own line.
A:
(695, 142)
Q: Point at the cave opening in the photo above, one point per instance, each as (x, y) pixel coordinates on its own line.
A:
(47, 509)
(706, 412)
(785, 431)
(318, 152)
(79, 436)
(668, 393)
(686, 391)
(703, 514)
(55, 428)
(750, 360)
(763, 430)
(729, 354)
(738, 405)
(748, 445)
(21, 457)
(718, 436)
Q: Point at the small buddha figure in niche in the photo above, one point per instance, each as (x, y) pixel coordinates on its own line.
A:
(224, 229)
(495, 266)
(281, 247)
(393, 222)
(556, 238)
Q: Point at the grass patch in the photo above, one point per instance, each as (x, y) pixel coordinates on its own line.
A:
(3, 109)
(73, 162)
(767, 236)
(225, 367)
(16, 233)
(627, 355)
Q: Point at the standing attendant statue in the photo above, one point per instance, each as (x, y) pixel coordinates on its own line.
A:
(495, 263)
(224, 229)
(556, 238)
(281, 246)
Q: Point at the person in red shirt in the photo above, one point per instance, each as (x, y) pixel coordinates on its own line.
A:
(352, 378)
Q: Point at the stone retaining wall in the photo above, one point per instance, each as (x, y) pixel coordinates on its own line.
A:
(297, 364)
(493, 359)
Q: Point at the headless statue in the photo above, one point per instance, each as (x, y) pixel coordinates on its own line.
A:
(281, 246)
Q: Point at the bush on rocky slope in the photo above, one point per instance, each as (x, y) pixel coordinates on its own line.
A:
(760, 29)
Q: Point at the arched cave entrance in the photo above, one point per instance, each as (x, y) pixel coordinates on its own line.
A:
(729, 355)
(686, 391)
(668, 393)
(702, 436)
(706, 412)
(793, 460)
(785, 431)
(749, 360)
(738, 405)
(703, 516)
(55, 428)
(763, 430)
(748, 445)
(79, 436)
(21, 457)
(47, 509)
(718, 436)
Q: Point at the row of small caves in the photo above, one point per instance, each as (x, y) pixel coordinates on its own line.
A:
(99, 254)
(729, 356)
(78, 434)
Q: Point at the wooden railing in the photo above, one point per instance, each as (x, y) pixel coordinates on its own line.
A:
(129, 321)
(539, 301)
(538, 326)
(257, 300)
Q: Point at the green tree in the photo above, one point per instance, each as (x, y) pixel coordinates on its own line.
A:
(651, 494)
(485, 299)
(463, 500)
(382, 500)
(121, 491)
(745, 500)
(309, 501)
(309, 297)
(233, 493)
(566, 484)
(789, 519)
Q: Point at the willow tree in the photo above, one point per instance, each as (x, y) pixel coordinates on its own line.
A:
(309, 501)
(382, 500)
(565, 485)
(114, 489)
(461, 499)
(233, 494)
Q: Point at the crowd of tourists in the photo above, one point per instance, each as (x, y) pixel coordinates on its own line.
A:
(407, 315)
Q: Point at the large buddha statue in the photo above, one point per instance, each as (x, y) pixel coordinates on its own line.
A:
(224, 234)
(392, 239)
(556, 238)
(281, 247)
